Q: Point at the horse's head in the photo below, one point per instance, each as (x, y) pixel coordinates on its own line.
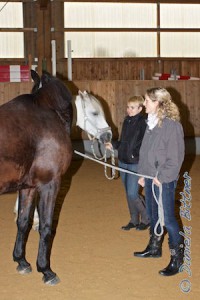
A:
(50, 92)
(39, 82)
(90, 117)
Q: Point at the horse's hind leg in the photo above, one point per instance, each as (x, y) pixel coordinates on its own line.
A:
(48, 194)
(25, 214)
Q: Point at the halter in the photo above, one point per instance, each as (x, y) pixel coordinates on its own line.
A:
(99, 131)
(93, 138)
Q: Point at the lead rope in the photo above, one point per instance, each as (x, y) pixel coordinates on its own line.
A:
(158, 201)
(93, 138)
(112, 155)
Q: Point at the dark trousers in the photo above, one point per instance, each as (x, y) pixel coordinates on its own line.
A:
(136, 203)
(168, 199)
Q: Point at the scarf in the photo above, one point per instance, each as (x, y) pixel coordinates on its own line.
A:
(152, 121)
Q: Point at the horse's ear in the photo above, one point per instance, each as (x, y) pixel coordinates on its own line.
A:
(35, 76)
(36, 79)
(80, 93)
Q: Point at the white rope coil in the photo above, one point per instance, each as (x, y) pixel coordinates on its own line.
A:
(159, 202)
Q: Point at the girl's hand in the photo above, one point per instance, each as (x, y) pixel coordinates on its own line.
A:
(141, 181)
(108, 146)
(156, 181)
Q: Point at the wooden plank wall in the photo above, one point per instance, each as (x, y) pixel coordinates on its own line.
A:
(10, 90)
(114, 95)
(127, 68)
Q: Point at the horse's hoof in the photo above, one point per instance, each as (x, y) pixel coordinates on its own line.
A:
(53, 281)
(24, 270)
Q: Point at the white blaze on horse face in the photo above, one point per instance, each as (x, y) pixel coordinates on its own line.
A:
(90, 115)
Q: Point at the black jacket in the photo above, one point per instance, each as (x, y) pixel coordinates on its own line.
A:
(128, 146)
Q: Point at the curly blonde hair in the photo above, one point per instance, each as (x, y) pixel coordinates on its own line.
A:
(167, 108)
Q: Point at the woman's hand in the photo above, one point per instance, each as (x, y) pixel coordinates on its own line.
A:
(141, 181)
(156, 181)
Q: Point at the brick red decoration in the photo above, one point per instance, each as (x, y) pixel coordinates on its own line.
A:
(166, 76)
(14, 73)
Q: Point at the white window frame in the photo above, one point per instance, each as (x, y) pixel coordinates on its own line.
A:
(12, 40)
(159, 37)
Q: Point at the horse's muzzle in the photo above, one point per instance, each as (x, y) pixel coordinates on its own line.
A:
(106, 137)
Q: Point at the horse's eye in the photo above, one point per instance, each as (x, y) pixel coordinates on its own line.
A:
(95, 113)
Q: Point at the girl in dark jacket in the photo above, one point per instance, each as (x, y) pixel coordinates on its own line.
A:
(128, 147)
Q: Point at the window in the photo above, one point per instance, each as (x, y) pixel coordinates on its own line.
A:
(183, 44)
(132, 29)
(12, 42)
(108, 21)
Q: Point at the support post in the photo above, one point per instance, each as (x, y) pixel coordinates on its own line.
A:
(69, 61)
(53, 58)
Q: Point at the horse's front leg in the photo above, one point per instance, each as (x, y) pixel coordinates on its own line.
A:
(35, 225)
(48, 194)
(25, 214)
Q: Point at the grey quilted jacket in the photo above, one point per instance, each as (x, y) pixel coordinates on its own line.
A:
(162, 151)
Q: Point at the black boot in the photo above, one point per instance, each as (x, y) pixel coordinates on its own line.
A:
(177, 254)
(141, 207)
(153, 249)
(134, 213)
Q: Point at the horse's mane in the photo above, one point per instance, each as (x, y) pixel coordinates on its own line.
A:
(53, 95)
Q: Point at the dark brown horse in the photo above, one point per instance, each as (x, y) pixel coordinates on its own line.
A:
(35, 151)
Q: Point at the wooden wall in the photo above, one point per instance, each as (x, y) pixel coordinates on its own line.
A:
(128, 68)
(10, 90)
(114, 94)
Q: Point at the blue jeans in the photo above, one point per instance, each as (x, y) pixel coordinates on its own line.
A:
(168, 199)
(130, 183)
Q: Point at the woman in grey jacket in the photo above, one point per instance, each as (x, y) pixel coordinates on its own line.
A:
(161, 157)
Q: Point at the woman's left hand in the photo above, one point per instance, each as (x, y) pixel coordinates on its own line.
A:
(156, 181)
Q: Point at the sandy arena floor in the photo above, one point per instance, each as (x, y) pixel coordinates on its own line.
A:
(91, 254)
